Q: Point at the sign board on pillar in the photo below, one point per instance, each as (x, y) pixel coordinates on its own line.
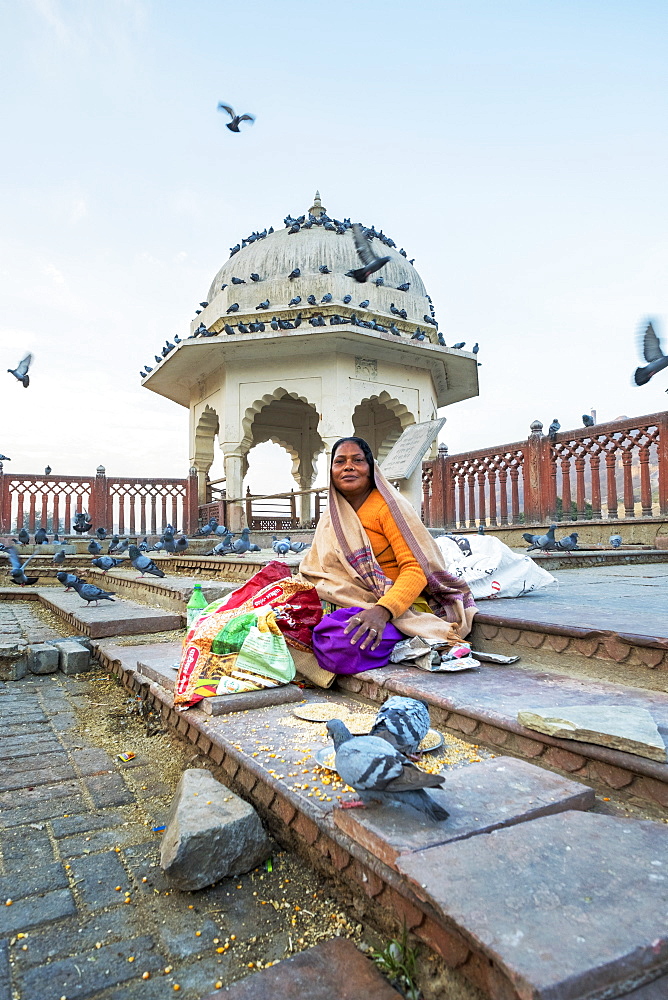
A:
(407, 453)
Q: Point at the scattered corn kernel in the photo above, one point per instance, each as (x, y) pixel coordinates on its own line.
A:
(144, 879)
(219, 985)
(146, 975)
(8, 902)
(233, 937)
(118, 888)
(176, 986)
(220, 950)
(198, 933)
(131, 958)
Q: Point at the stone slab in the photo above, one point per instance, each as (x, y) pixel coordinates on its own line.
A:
(624, 727)
(495, 793)
(42, 658)
(333, 970)
(543, 901)
(119, 617)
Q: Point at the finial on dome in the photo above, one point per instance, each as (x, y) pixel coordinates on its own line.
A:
(317, 206)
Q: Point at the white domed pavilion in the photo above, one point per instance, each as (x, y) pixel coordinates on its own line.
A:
(305, 360)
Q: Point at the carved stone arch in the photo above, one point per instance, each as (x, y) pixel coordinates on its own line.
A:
(260, 404)
(380, 419)
(202, 456)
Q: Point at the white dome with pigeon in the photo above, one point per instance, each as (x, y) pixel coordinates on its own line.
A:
(274, 273)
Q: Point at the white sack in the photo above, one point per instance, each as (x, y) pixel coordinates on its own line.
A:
(491, 568)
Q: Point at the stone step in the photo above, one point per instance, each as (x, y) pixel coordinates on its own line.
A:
(333, 970)
(567, 906)
(169, 592)
(482, 705)
(576, 873)
(119, 617)
(592, 557)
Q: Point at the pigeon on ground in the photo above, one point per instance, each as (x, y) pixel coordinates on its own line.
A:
(59, 557)
(181, 544)
(24, 537)
(207, 529)
(569, 542)
(143, 545)
(299, 546)
(222, 548)
(123, 547)
(143, 563)
(18, 568)
(380, 773)
(90, 593)
(403, 722)
(553, 429)
(651, 349)
(545, 542)
(21, 371)
(41, 537)
(587, 421)
(68, 579)
(105, 563)
(113, 544)
(615, 541)
(236, 119)
(168, 543)
(94, 547)
(242, 545)
(370, 263)
(101, 533)
(281, 548)
(481, 529)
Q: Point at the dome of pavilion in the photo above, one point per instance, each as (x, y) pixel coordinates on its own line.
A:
(308, 246)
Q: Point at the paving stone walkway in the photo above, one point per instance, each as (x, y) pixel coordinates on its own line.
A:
(85, 912)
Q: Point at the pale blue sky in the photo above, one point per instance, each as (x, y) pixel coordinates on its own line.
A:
(517, 151)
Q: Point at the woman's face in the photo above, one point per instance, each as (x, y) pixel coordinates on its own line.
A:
(350, 470)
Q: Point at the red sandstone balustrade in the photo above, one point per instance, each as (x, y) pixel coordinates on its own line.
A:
(544, 474)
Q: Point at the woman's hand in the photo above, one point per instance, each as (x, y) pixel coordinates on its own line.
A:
(368, 626)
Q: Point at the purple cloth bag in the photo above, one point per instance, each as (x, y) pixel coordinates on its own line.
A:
(334, 652)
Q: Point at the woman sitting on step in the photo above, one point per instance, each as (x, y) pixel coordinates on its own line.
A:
(372, 552)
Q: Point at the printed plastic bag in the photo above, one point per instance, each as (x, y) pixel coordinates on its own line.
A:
(491, 568)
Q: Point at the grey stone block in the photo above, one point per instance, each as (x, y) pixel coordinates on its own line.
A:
(13, 661)
(43, 659)
(211, 833)
(73, 657)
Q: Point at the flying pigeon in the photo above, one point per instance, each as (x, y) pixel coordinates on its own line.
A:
(94, 547)
(615, 541)
(587, 421)
(380, 773)
(18, 569)
(89, 592)
(21, 371)
(68, 579)
(403, 722)
(568, 543)
(553, 429)
(105, 563)
(370, 263)
(236, 119)
(651, 349)
(143, 563)
(545, 542)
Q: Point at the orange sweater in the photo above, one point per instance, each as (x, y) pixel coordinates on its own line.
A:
(393, 555)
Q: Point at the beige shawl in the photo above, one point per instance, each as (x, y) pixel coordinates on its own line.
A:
(341, 566)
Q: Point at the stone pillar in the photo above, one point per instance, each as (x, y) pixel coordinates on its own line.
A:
(234, 476)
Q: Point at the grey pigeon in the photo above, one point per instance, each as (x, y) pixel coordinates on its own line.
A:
(475, 348)
(207, 529)
(228, 329)
(481, 529)
(18, 568)
(298, 546)
(326, 298)
(294, 273)
(105, 563)
(587, 421)
(94, 547)
(419, 335)
(242, 545)
(324, 269)
(651, 349)
(545, 542)
(59, 557)
(221, 530)
(615, 541)
(41, 536)
(68, 579)
(113, 544)
(101, 533)
(459, 346)
(364, 304)
(569, 542)
(370, 263)
(233, 308)
(346, 299)
(404, 288)
(123, 547)
(24, 537)
(21, 371)
(222, 548)
(295, 301)
(143, 563)
(553, 429)
(378, 772)
(233, 124)
(181, 544)
(255, 277)
(403, 722)
(263, 305)
(90, 593)
(143, 545)
(4, 458)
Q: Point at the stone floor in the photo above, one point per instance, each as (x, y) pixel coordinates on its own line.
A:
(620, 598)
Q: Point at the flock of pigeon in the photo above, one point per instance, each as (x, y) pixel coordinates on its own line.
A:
(229, 545)
(379, 766)
(548, 542)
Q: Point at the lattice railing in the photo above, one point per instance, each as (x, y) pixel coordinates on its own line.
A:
(589, 473)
